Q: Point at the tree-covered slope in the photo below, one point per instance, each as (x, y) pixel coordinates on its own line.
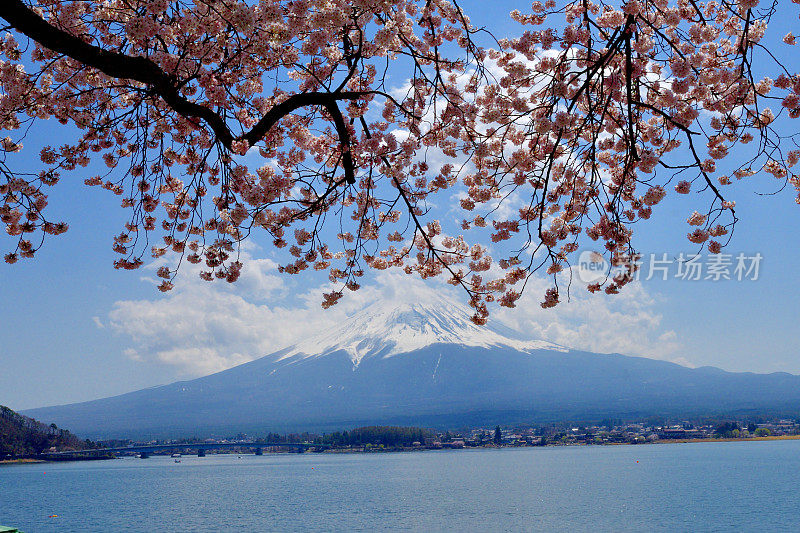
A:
(21, 435)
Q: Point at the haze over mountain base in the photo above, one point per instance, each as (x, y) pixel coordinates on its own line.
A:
(423, 365)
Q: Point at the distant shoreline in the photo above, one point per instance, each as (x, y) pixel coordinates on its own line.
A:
(400, 450)
(709, 439)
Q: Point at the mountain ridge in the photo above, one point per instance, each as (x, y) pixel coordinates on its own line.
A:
(423, 365)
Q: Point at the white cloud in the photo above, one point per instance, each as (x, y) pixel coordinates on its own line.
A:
(625, 323)
(200, 328)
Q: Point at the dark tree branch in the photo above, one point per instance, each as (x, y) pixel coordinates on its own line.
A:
(145, 71)
(112, 64)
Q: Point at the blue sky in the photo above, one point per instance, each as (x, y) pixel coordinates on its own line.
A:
(73, 328)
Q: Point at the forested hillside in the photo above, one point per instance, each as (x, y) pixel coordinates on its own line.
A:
(21, 435)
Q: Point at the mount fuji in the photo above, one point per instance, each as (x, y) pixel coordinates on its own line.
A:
(427, 365)
(384, 331)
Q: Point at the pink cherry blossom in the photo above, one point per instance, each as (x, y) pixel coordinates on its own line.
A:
(276, 118)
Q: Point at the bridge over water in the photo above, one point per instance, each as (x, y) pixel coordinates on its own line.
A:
(145, 450)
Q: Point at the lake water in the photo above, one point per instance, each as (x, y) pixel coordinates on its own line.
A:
(673, 487)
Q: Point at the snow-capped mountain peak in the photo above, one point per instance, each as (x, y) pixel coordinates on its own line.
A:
(386, 329)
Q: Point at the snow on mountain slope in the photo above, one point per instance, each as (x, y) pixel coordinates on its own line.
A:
(385, 329)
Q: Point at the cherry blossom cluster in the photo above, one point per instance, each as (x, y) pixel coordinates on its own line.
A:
(365, 116)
